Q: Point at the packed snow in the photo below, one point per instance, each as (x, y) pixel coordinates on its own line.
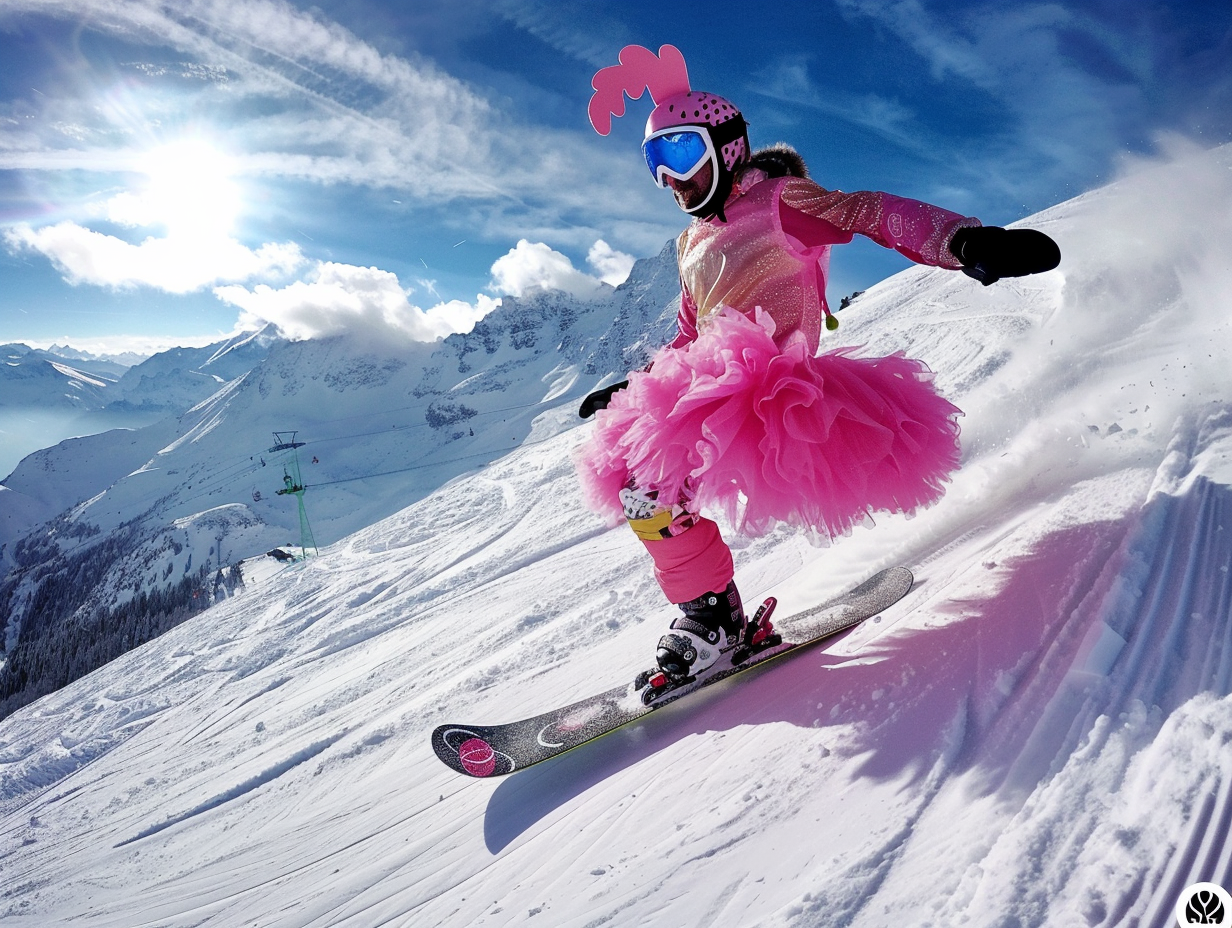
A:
(1039, 734)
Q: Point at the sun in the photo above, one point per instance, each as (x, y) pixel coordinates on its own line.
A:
(189, 188)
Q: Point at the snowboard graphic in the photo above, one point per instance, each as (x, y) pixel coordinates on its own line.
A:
(495, 750)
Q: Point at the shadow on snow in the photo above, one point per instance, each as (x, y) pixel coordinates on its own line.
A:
(1098, 617)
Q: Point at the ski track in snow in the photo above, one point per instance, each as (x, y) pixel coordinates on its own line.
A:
(1039, 734)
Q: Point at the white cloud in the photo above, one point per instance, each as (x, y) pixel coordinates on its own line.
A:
(370, 302)
(788, 80)
(313, 101)
(176, 263)
(459, 315)
(613, 266)
(186, 189)
(590, 39)
(365, 302)
(531, 267)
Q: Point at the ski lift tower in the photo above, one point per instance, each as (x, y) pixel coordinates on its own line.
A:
(293, 485)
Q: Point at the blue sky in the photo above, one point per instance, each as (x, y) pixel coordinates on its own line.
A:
(170, 170)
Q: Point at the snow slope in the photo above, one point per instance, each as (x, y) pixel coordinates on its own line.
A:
(1040, 734)
(381, 425)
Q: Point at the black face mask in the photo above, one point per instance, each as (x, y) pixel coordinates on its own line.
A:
(723, 134)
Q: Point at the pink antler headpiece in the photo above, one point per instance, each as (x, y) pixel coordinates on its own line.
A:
(664, 75)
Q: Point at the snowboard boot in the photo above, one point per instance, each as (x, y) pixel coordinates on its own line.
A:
(711, 624)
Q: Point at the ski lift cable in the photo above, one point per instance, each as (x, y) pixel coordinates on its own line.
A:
(228, 473)
(242, 461)
(413, 425)
(215, 484)
(245, 466)
(410, 467)
(416, 406)
(235, 467)
(218, 480)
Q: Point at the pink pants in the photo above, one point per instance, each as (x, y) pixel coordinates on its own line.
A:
(694, 562)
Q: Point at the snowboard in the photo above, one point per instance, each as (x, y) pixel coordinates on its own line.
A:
(496, 750)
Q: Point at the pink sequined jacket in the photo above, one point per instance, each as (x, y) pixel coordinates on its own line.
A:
(774, 249)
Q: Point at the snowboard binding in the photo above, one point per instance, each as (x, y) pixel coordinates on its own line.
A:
(759, 634)
(674, 652)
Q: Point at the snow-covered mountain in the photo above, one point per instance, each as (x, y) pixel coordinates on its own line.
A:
(47, 396)
(180, 378)
(124, 359)
(162, 509)
(1040, 734)
(32, 378)
(113, 419)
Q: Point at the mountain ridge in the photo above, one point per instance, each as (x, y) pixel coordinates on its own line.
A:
(381, 426)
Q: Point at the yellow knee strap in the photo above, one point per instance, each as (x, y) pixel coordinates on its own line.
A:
(653, 529)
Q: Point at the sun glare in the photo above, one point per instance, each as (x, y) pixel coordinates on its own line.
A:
(189, 188)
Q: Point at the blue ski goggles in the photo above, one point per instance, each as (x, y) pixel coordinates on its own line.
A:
(678, 152)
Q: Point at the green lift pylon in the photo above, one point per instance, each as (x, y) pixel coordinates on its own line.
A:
(293, 484)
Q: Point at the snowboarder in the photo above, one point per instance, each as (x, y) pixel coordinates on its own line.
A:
(739, 413)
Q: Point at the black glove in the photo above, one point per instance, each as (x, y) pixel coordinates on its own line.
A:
(989, 253)
(599, 399)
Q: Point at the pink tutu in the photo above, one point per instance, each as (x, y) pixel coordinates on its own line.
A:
(766, 434)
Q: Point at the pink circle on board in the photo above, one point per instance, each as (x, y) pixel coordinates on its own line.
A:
(477, 757)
